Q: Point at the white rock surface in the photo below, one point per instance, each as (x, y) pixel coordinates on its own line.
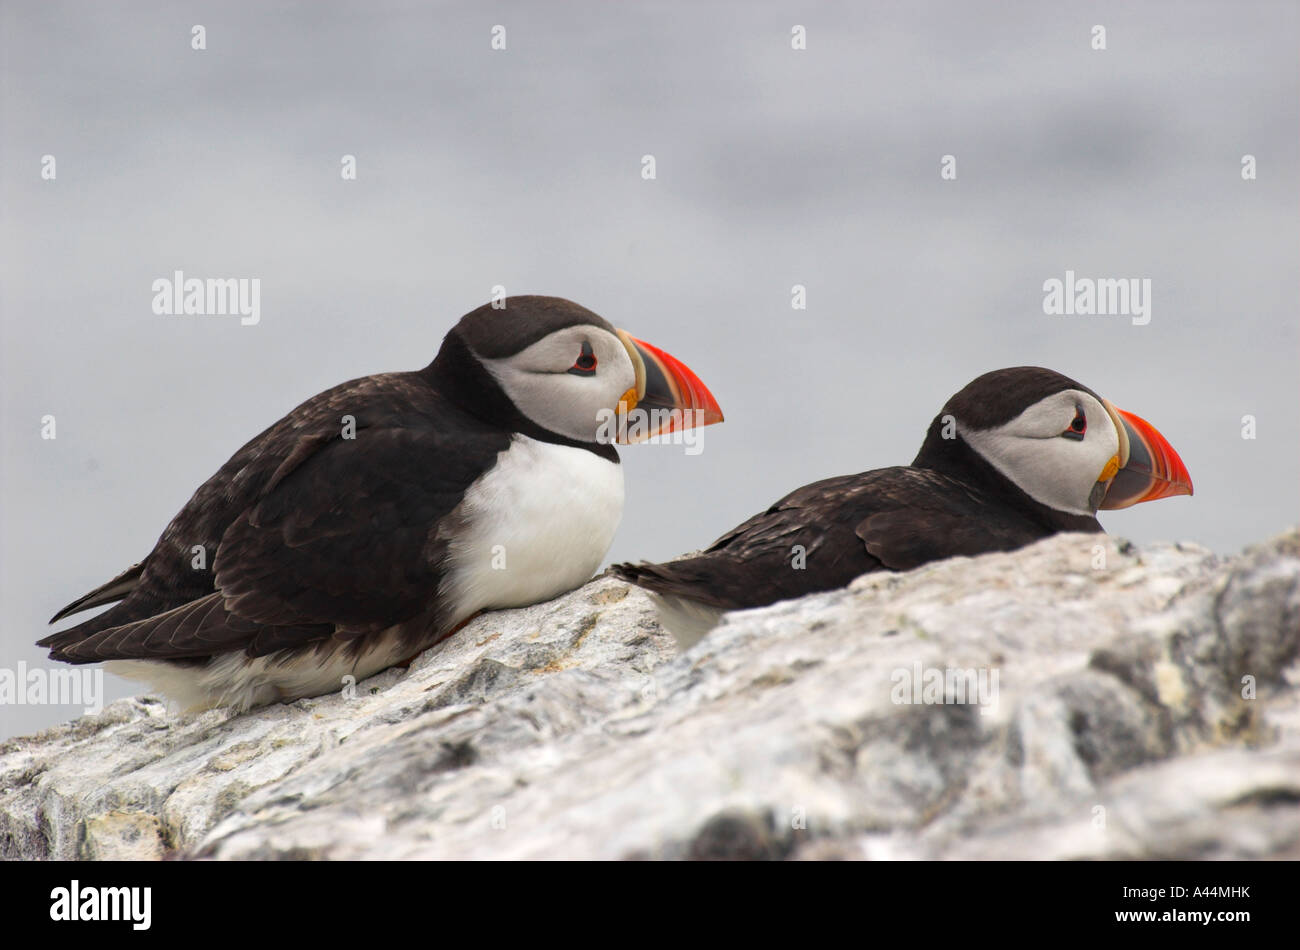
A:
(572, 729)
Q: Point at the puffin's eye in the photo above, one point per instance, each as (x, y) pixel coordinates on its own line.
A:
(585, 364)
(1078, 426)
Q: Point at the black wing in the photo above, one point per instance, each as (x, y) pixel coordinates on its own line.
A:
(820, 537)
(309, 535)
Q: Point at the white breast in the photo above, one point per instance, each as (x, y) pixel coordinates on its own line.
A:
(537, 524)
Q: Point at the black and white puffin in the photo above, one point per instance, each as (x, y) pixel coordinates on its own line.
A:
(1015, 456)
(378, 516)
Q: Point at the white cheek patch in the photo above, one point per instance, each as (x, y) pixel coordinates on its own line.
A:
(1053, 470)
(536, 381)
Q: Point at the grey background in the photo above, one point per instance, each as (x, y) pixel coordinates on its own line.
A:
(522, 168)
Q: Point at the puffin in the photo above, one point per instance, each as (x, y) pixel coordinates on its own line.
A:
(1017, 455)
(379, 516)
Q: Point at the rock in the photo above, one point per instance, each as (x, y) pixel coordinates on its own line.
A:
(1119, 702)
(123, 836)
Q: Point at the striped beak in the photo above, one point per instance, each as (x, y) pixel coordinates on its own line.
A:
(668, 396)
(1146, 467)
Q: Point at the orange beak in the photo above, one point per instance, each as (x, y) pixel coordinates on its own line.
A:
(667, 397)
(1149, 468)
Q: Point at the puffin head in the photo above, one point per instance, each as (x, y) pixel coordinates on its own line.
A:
(569, 372)
(1060, 443)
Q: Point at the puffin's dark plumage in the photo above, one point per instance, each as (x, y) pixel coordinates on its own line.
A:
(839, 528)
(952, 500)
(289, 568)
(358, 529)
